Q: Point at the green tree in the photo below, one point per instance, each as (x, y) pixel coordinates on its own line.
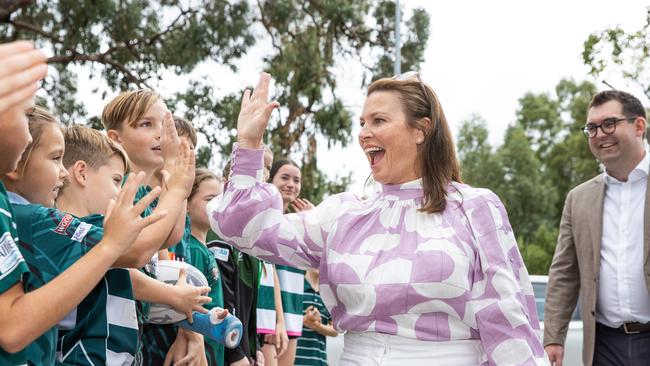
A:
(628, 52)
(479, 165)
(127, 44)
(133, 43)
(528, 196)
(544, 154)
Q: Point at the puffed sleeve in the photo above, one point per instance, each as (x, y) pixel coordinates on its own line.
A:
(249, 216)
(503, 301)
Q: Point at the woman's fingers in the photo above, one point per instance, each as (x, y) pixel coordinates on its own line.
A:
(246, 98)
(261, 91)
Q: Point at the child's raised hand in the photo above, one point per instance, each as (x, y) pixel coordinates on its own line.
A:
(170, 142)
(21, 67)
(123, 223)
(255, 113)
(180, 175)
(187, 298)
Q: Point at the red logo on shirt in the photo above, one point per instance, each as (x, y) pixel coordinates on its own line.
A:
(66, 220)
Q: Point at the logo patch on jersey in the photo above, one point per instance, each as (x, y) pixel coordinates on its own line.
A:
(65, 222)
(220, 253)
(10, 256)
(81, 232)
(215, 273)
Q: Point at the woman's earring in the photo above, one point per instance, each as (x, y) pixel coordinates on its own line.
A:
(419, 141)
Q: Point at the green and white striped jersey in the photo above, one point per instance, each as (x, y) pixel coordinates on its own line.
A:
(312, 346)
(103, 328)
(50, 241)
(292, 285)
(13, 268)
(266, 317)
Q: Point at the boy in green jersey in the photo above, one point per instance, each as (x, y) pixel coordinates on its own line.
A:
(23, 316)
(158, 339)
(103, 328)
(58, 277)
(140, 122)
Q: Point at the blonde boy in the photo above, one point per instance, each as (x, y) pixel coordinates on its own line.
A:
(89, 335)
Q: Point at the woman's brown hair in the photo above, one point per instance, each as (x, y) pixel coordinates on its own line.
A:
(437, 159)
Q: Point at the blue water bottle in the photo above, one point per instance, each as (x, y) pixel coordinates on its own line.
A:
(227, 331)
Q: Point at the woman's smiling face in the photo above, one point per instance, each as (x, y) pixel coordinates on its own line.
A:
(389, 143)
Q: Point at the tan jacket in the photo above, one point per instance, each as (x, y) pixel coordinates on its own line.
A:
(576, 264)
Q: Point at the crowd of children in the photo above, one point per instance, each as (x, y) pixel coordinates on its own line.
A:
(85, 216)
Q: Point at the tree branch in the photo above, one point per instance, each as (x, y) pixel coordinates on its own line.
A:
(8, 7)
(151, 38)
(265, 22)
(32, 28)
(102, 59)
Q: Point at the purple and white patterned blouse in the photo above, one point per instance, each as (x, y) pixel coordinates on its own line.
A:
(387, 267)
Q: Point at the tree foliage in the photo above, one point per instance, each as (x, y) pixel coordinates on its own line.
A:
(131, 44)
(543, 155)
(628, 52)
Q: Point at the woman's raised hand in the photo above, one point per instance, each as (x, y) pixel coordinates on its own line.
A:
(254, 114)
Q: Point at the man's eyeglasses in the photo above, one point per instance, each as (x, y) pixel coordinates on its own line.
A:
(608, 126)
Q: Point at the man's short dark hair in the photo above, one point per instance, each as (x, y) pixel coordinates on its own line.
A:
(632, 106)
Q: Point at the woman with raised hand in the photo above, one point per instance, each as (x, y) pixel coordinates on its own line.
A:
(426, 272)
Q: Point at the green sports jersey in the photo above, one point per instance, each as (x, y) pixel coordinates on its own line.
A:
(204, 261)
(13, 268)
(180, 250)
(50, 241)
(240, 278)
(158, 338)
(312, 346)
(142, 307)
(102, 329)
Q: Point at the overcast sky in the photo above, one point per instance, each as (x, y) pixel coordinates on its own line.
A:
(481, 57)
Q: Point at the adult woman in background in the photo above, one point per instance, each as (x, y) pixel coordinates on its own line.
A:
(428, 271)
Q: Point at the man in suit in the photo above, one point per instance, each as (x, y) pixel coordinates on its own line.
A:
(602, 251)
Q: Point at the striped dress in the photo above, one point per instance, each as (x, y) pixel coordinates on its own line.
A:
(266, 317)
(291, 283)
(312, 346)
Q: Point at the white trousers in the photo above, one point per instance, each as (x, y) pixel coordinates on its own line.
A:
(377, 349)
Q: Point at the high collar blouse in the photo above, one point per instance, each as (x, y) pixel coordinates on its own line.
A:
(387, 267)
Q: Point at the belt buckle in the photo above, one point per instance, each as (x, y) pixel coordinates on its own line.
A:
(629, 331)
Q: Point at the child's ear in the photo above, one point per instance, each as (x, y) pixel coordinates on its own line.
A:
(78, 173)
(114, 135)
(13, 176)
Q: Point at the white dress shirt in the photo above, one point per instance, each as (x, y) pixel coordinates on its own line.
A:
(622, 293)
